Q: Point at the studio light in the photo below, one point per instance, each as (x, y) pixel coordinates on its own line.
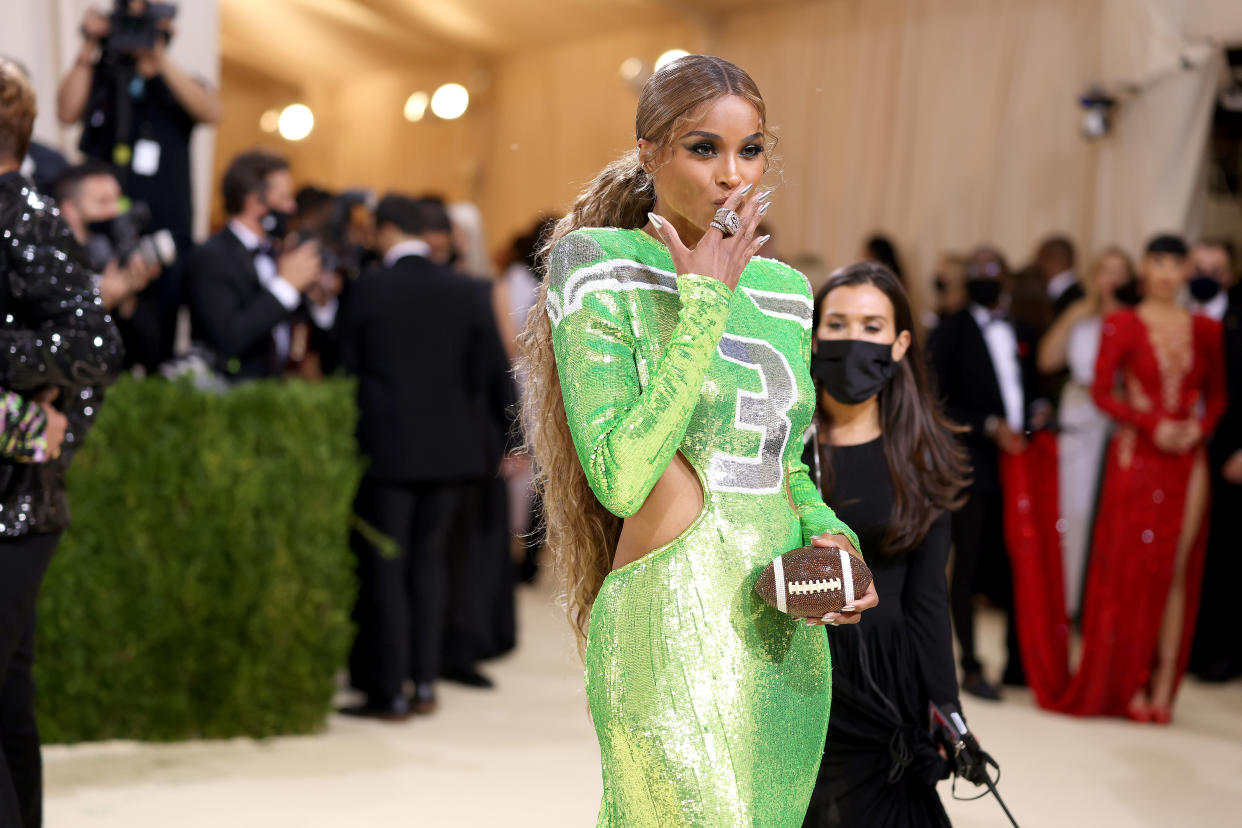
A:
(450, 101)
(296, 122)
(630, 68)
(668, 57)
(416, 106)
(270, 121)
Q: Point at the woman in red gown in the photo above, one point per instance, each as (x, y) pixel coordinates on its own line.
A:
(1160, 376)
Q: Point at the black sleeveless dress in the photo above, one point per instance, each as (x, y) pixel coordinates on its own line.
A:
(880, 767)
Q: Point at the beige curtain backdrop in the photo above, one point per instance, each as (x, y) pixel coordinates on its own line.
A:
(1151, 172)
(946, 123)
(943, 122)
(43, 35)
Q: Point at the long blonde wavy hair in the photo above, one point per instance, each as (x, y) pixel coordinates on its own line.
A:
(581, 535)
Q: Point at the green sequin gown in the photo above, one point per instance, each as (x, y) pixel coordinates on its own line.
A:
(710, 707)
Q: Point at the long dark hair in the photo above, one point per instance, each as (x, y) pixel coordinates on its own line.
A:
(928, 465)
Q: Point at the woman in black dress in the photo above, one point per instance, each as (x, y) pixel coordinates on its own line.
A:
(885, 456)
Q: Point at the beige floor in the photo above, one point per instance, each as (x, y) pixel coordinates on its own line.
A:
(525, 755)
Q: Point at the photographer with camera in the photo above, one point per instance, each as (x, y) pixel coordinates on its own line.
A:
(60, 350)
(138, 108)
(90, 202)
(249, 292)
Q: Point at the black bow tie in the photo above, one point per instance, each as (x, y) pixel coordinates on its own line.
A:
(264, 249)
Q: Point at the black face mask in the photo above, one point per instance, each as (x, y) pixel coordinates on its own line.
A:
(276, 224)
(103, 227)
(940, 285)
(1203, 287)
(1129, 294)
(851, 370)
(985, 292)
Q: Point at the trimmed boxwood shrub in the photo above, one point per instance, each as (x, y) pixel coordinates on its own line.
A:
(205, 586)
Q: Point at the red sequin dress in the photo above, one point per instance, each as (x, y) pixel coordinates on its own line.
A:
(1141, 380)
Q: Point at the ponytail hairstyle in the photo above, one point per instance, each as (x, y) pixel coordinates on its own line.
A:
(581, 535)
(927, 464)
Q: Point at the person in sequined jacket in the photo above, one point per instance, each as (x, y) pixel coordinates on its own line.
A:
(59, 345)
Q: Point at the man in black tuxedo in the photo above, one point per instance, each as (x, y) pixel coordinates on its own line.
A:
(248, 298)
(423, 343)
(984, 363)
(1217, 651)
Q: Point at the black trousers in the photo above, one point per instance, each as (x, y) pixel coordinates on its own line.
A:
(413, 605)
(1217, 651)
(23, 562)
(493, 574)
(979, 551)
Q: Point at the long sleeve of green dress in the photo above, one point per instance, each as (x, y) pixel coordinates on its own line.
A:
(625, 434)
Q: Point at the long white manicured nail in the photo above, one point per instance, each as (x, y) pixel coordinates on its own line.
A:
(655, 220)
(747, 189)
(764, 239)
(763, 208)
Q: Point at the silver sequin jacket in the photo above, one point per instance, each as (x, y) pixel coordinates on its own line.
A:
(54, 333)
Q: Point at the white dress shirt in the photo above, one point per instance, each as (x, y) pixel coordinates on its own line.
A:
(1060, 283)
(1213, 308)
(409, 247)
(1002, 345)
(286, 294)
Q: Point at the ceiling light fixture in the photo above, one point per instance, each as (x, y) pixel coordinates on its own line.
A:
(296, 122)
(270, 121)
(416, 106)
(631, 68)
(450, 101)
(668, 57)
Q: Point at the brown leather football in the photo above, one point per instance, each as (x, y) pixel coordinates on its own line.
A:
(813, 581)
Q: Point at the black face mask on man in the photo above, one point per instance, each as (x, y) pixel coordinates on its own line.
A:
(1203, 286)
(276, 223)
(1129, 294)
(852, 370)
(103, 227)
(984, 291)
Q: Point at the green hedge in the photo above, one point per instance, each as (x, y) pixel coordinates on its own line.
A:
(204, 588)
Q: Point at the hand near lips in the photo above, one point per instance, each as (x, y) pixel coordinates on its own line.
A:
(716, 255)
(866, 601)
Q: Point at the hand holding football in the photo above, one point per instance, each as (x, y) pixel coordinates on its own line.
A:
(813, 581)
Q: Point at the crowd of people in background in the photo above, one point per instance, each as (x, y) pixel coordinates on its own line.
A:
(1131, 368)
(1129, 362)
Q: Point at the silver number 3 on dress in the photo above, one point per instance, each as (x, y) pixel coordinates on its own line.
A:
(766, 411)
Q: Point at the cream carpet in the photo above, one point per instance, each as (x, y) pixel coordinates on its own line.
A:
(525, 755)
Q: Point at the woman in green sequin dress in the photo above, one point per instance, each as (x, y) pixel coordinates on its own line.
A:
(669, 390)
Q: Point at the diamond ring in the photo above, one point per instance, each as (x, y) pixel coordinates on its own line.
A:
(727, 221)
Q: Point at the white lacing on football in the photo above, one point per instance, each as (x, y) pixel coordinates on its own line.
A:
(778, 573)
(811, 587)
(847, 575)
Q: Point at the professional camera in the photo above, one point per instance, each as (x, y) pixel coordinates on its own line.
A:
(339, 252)
(124, 237)
(131, 32)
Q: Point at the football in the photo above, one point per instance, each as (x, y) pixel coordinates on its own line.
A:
(813, 581)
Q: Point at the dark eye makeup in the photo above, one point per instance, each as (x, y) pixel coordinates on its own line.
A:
(705, 149)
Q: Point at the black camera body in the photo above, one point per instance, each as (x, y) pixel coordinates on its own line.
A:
(126, 237)
(132, 32)
(338, 254)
